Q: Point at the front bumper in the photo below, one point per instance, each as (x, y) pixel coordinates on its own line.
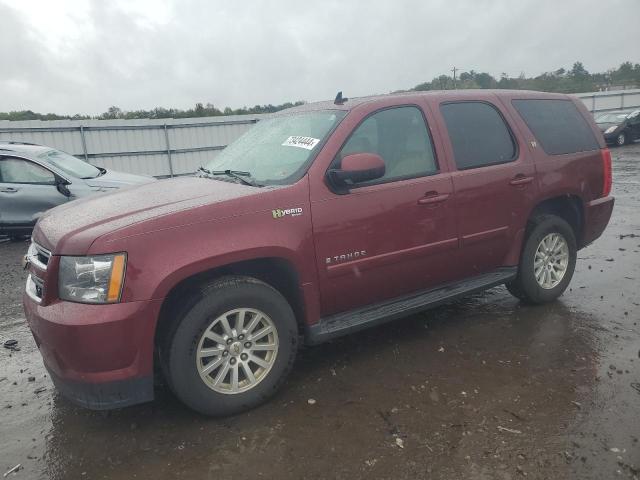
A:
(596, 218)
(611, 138)
(107, 395)
(99, 356)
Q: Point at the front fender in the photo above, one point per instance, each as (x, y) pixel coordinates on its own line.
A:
(158, 260)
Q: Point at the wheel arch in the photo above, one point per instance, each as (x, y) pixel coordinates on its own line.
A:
(278, 272)
(569, 207)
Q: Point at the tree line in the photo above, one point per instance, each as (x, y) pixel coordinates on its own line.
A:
(199, 110)
(575, 80)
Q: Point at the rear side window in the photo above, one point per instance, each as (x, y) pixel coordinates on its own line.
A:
(557, 125)
(478, 134)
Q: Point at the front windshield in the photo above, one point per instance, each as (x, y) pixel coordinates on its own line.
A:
(276, 149)
(69, 164)
(611, 118)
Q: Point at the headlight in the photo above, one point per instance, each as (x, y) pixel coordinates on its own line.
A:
(96, 279)
(611, 129)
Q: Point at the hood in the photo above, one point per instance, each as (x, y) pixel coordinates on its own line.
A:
(114, 179)
(71, 228)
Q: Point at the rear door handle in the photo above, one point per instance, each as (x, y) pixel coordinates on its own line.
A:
(8, 190)
(433, 198)
(519, 180)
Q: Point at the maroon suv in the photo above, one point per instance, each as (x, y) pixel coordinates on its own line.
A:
(320, 221)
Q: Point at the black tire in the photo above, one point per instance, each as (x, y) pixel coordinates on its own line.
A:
(621, 139)
(525, 286)
(178, 348)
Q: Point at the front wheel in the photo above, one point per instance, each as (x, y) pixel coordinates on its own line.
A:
(232, 348)
(621, 139)
(547, 262)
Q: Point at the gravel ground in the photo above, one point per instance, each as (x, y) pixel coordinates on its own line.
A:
(484, 388)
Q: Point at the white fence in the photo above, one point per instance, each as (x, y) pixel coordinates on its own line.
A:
(170, 147)
(609, 101)
(153, 147)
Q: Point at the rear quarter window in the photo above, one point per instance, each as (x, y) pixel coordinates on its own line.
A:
(478, 134)
(558, 126)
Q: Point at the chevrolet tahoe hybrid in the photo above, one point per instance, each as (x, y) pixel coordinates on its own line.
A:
(320, 221)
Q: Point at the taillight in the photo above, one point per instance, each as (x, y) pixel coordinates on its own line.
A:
(606, 172)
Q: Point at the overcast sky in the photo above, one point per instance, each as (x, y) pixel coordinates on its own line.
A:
(82, 56)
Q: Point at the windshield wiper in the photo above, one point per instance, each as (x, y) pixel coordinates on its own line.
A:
(100, 173)
(237, 174)
(203, 171)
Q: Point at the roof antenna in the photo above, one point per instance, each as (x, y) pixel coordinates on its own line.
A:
(340, 99)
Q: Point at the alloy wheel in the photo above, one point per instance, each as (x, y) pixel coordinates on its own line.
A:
(237, 350)
(551, 260)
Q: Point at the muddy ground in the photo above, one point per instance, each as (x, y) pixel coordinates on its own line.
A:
(485, 388)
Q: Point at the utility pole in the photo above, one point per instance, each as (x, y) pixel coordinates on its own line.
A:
(454, 70)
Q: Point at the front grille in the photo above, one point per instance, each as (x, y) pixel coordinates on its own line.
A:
(35, 288)
(39, 257)
(43, 255)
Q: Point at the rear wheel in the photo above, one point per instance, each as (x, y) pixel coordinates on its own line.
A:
(548, 261)
(232, 348)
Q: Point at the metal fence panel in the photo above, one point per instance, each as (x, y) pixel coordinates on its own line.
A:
(155, 165)
(612, 100)
(187, 163)
(162, 147)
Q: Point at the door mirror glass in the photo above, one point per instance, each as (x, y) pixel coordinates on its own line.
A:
(357, 168)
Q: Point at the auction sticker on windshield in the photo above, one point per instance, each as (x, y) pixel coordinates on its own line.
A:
(302, 142)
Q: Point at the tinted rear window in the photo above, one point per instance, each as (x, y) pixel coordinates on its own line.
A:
(478, 134)
(557, 125)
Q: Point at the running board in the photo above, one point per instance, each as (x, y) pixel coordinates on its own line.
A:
(351, 321)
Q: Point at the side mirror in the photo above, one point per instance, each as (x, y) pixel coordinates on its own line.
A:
(61, 186)
(356, 168)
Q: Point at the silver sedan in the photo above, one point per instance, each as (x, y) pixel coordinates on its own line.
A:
(35, 178)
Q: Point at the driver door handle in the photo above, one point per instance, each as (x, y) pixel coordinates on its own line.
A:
(8, 189)
(433, 198)
(519, 180)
